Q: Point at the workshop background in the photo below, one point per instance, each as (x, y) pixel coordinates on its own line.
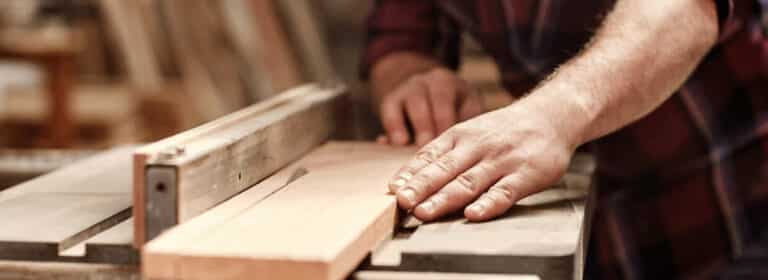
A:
(79, 76)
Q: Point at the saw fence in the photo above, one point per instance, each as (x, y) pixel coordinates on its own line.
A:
(267, 193)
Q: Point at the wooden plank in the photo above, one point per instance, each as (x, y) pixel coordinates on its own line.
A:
(25, 270)
(17, 166)
(541, 235)
(197, 169)
(50, 214)
(319, 226)
(400, 275)
(114, 246)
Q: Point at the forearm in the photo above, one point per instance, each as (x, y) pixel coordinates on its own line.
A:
(641, 55)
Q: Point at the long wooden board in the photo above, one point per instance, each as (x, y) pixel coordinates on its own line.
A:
(182, 176)
(319, 226)
(48, 215)
(27, 270)
(113, 246)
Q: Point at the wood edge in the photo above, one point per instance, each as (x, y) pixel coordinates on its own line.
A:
(380, 229)
(95, 229)
(303, 103)
(170, 265)
(65, 270)
(139, 215)
(226, 120)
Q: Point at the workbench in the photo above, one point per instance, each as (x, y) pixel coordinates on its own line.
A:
(86, 220)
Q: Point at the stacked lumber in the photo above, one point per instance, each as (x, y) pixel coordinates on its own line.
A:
(227, 54)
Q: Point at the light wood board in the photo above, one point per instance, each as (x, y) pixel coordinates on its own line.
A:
(319, 226)
(48, 215)
(182, 176)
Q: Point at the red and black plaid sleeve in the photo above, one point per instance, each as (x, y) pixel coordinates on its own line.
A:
(405, 26)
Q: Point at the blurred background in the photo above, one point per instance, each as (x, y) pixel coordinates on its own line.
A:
(78, 76)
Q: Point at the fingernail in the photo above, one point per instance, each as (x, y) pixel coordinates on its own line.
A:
(406, 175)
(399, 183)
(427, 206)
(409, 195)
(478, 208)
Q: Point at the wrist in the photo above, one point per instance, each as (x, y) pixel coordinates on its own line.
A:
(566, 113)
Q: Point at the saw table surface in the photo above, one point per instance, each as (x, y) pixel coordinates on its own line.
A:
(540, 236)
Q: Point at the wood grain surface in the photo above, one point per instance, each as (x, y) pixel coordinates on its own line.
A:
(319, 226)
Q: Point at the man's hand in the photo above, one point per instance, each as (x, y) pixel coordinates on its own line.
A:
(494, 160)
(500, 157)
(430, 99)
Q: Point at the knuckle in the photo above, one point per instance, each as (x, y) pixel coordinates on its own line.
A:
(446, 164)
(439, 198)
(427, 155)
(504, 190)
(420, 182)
(467, 182)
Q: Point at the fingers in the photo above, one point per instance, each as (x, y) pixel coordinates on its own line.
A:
(499, 198)
(434, 176)
(428, 154)
(443, 98)
(459, 192)
(393, 121)
(419, 111)
(383, 140)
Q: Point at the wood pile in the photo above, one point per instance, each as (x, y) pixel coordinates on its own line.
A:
(183, 62)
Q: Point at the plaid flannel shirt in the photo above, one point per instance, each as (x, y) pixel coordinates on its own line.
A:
(682, 192)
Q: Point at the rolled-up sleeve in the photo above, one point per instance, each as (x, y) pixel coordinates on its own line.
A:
(401, 25)
(734, 15)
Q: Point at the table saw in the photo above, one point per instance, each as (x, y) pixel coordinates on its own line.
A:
(269, 193)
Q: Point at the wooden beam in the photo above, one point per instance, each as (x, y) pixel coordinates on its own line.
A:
(182, 176)
(319, 226)
(52, 213)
